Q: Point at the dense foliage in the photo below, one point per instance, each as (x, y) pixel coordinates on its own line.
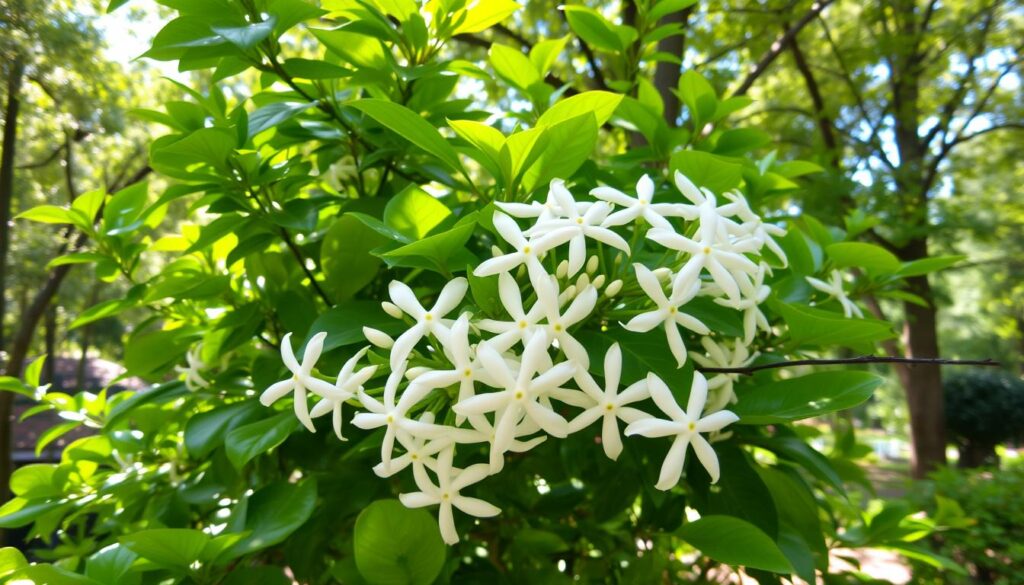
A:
(344, 156)
(984, 409)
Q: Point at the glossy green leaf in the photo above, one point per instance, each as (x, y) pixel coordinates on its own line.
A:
(481, 16)
(804, 397)
(345, 257)
(601, 103)
(205, 431)
(590, 26)
(736, 542)
(513, 66)
(873, 258)
(411, 126)
(249, 35)
(415, 213)
(395, 545)
(928, 265)
(11, 559)
(273, 513)
(817, 327)
(253, 439)
(714, 172)
(176, 548)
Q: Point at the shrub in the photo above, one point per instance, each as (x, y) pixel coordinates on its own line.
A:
(983, 409)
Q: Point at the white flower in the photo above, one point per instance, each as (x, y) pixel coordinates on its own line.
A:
(686, 427)
(523, 324)
(754, 293)
(667, 312)
(427, 321)
(558, 323)
(708, 252)
(520, 392)
(609, 404)
(834, 289)
(720, 356)
(446, 494)
(394, 416)
(302, 378)
(378, 338)
(582, 225)
(653, 213)
(193, 377)
(418, 450)
(535, 209)
(348, 385)
(465, 369)
(527, 251)
(753, 226)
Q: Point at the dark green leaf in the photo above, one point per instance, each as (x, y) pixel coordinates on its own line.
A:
(804, 397)
(411, 126)
(174, 548)
(248, 441)
(395, 545)
(735, 542)
(274, 512)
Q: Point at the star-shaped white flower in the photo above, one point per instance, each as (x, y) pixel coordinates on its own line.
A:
(427, 321)
(520, 392)
(348, 385)
(834, 289)
(523, 324)
(721, 356)
(754, 293)
(752, 225)
(685, 426)
(609, 404)
(446, 493)
(193, 373)
(668, 311)
(465, 369)
(418, 450)
(535, 209)
(394, 415)
(302, 378)
(582, 225)
(559, 322)
(526, 251)
(653, 213)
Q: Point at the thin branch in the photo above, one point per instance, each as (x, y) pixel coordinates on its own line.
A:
(44, 161)
(504, 30)
(866, 359)
(779, 45)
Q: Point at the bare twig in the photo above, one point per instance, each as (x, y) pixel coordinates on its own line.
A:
(866, 359)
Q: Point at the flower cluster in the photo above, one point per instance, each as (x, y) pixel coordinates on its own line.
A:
(458, 380)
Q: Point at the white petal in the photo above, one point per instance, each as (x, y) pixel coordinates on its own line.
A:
(613, 196)
(446, 521)
(417, 500)
(644, 322)
(650, 284)
(404, 345)
(510, 295)
(500, 264)
(509, 230)
(613, 366)
(277, 391)
(716, 421)
(662, 396)
(610, 439)
(549, 420)
(675, 342)
(706, 455)
(672, 467)
(406, 300)
(482, 403)
(577, 253)
(698, 395)
(450, 297)
(288, 356)
(586, 418)
(688, 189)
(653, 428)
(476, 507)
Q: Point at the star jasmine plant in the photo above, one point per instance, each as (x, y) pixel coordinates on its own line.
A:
(459, 378)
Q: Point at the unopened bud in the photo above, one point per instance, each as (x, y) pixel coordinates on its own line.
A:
(613, 288)
(495, 251)
(663, 274)
(592, 264)
(569, 292)
(618, 258)
(583, 281)
(416, 372)
(563, 269)
(378, 337)
(599, 281)
(392, 309)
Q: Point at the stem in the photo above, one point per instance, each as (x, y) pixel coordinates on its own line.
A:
(865, 359)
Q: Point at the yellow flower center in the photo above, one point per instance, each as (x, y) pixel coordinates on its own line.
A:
(523, 324)
(707, 249)
(579, 220)
(467, 372)
(428, 317)
(390, 419)
(446, 496)
(519, 394)
(557, 327)
(414, 457)
(526, 249)
(609, 407)
(692, 426)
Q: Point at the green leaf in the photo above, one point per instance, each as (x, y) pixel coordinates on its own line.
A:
(411, 126)
(345, 257)
(49, 574)
(157, 394)
(359, 50)
(414, 213)
(175, 548)
(487, 140)
(211, 146)
(714, 172)
(395, 545)
(928, 265)
(570, 144)
(271, 115)
(665, 7)
(735, 542)
(440, 248)
(273, 513)
(601, 103)
(11, 560)
(793, 448)
(34, 370)
(205, 431)
(513, 66)
(483, 15)
(35, 481)
(53, 433)
(248, 36)
(816, 327)
(47, 214)
(248, 441)
(737, 141)
(875, 259)
(115, 4)
(154, 351)
(18, 512)
(125, 207)
(110, 564)
(102, 311)
(485, 293)
(698, 95)
(89, 203)
(545, 53)
(75, 258)
(313, 69)
(641, 354)
(804, 397)
(590, 26)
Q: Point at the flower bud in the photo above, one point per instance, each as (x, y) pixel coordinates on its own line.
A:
(392, 309)
(599, 281)
(495, 251)
(378, 337)
(663, 274)
(583, 281)
(618, 258)
(563, 269)
(613, 287)
(568, 293)
(592, 264)
(416, 372)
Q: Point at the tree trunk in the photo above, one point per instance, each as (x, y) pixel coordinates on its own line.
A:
(50, 343)
(16, 72)
(923, 382)
(666, 75)
(973, 454)
(85, 340)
